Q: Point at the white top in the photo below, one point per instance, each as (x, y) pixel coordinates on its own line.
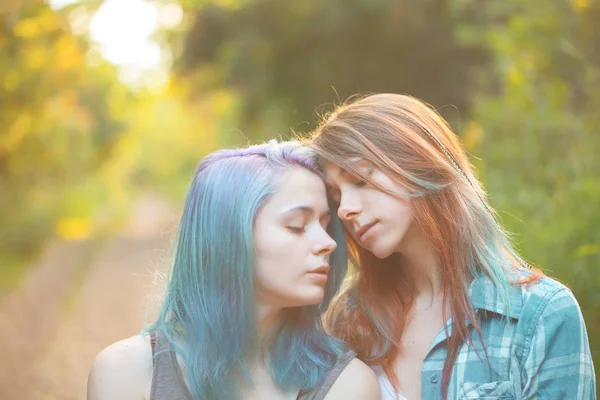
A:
(387, 390)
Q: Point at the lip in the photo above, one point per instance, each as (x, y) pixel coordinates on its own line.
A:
(324, 269)
(364, 231)
(320, 274)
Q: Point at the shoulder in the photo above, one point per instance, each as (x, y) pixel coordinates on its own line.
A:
(122, 370)
(541, 287)
(357, 381)
(556, 357)
(554, 299)
(546, 296)
(549, 308)
(529, 294)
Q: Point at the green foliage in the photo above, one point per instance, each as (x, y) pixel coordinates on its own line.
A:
(77, 145)
(289, 58)
(538, 138)
(57, 128)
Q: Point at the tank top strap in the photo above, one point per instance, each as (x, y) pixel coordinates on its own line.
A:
(167, 379)
(321, 391)
(153, 344)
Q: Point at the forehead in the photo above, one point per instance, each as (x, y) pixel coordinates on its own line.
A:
(299, 186)
(334, 174)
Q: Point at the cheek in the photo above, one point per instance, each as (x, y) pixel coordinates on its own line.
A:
(277, 259)
(399, 208)
(405, 212)
(403, 221)
(375, 201)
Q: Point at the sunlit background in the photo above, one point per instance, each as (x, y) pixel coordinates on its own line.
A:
(107, 106)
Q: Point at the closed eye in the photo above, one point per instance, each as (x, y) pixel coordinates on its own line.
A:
(296, 230)
(361, 182)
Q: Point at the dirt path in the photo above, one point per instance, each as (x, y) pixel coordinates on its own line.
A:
(80, 298)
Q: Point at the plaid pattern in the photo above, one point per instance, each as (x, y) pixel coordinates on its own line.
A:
(540, 352)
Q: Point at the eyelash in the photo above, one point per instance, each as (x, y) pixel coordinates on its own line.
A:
(296, 230)
(362, 182)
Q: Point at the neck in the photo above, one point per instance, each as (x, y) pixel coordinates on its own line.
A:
(267, 318)
(420, 264)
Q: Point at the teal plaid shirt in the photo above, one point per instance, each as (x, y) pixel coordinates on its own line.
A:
(542, 352)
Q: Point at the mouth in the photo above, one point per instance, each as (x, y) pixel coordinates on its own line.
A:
(320, 274)
(364, 231)
(321, 270)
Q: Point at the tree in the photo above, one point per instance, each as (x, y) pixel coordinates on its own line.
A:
(289, 58)
(57, 121)
(535, 130)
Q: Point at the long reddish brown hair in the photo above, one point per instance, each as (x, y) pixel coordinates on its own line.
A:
(415, 146)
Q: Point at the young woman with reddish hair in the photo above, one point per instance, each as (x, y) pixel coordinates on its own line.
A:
(440, 305)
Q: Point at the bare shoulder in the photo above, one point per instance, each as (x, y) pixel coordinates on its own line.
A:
(357, 381)
(123, 370)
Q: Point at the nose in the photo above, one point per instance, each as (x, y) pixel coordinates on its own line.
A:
(325, 245)
(349, 208)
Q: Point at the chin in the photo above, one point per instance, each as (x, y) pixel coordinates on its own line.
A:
(382, 255)
(381, 252)
(311, 297)
(386, 246)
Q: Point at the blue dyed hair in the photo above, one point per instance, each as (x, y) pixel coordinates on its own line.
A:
(208, 314)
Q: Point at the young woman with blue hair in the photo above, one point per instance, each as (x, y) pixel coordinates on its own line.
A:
(254, 270)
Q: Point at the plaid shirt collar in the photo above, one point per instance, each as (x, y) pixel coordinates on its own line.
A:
(485, 296)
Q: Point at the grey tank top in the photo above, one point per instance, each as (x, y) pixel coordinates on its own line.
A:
(168, 382)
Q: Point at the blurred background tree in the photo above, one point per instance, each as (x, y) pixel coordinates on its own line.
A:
(519, 82)
(288, 59)
(534, 128)
(58, 127)
(78, 145)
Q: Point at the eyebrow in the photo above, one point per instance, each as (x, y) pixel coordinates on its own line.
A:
(306, 210)
(343, 172)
